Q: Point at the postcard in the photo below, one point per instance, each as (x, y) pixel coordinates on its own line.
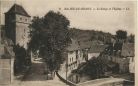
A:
(68, 42)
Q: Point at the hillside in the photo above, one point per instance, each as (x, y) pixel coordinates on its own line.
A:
(90, 35)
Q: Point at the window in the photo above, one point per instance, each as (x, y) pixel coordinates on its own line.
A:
(20, 18)
(132, 59)
(69, 67)
(25, 19)
(72, 59)
(72, 67)
(77, 57)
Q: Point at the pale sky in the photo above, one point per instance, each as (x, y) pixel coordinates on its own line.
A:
(108, 21)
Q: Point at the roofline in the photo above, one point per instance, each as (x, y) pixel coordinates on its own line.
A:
(18, 13)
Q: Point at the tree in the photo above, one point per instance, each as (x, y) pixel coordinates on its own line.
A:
(20, 58)
(120, 34)
(95, 68)
(50, 35)
(131, 38)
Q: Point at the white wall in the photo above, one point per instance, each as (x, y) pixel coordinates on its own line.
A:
(131, 65)
(80, 57)
(72, 59)
(91, 55)
(70, 56)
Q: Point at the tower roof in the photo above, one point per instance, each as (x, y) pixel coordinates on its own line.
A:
(18, 9)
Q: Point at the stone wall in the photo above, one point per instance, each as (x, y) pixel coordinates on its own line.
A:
(22, 30)
(17, 28)
(1, 50)
(5, 71)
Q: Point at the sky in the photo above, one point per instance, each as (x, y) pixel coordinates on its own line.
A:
(88, 19)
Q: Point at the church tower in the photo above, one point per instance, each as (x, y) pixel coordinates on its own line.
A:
(17, 22)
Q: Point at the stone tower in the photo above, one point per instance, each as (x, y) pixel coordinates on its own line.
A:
(17, 22)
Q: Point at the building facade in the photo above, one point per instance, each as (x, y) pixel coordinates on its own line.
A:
(17, 22)
(74, 56)
(6, 58)
(124, 57)
(128, 52)
(95, 51)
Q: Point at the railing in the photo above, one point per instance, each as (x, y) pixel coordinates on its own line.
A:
(66, 81)
(103, 82)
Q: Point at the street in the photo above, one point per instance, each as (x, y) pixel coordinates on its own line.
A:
(36, 77)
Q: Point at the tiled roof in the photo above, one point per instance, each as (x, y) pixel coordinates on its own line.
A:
(127, 49)
(18, 10)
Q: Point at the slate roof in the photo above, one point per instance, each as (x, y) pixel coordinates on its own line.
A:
(97, 48)
(128, 49)
(18, 9)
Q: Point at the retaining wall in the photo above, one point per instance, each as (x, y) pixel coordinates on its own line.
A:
(97, 82)
(66, 81)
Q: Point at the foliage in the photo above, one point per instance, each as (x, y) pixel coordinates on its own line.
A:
(90, 35)
(131, 38)
(50, 36)
(106, 38)
(95, 68)
(21, 59)
(120, 34)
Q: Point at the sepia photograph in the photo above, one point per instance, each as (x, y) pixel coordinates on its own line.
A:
(67, 42)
